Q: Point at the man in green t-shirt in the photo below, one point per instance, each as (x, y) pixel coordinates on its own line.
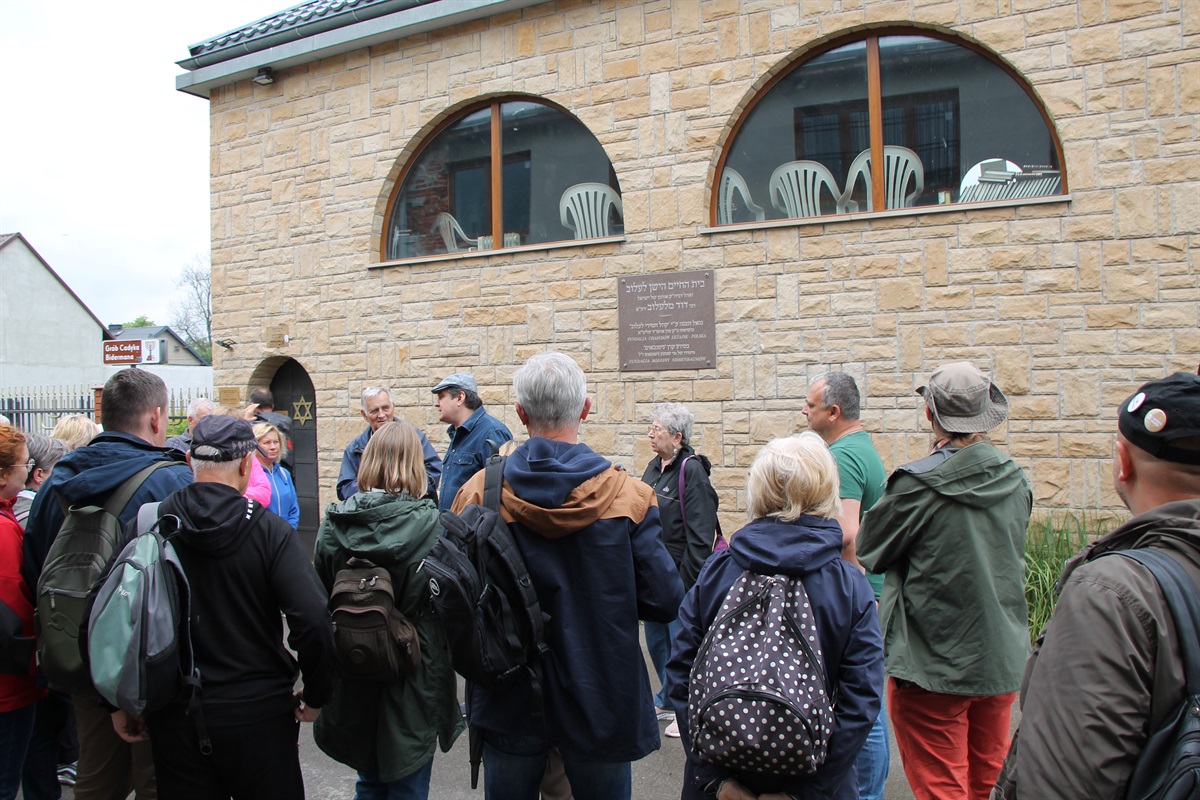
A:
(832, 408)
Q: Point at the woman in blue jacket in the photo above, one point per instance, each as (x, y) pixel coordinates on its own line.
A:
(792, 499)
(283, 491)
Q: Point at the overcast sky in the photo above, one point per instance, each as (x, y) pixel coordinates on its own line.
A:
(104, 165)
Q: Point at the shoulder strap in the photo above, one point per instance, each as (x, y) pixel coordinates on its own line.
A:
(1183, 600)
(493, 482)
(146, 517)
(121, 497)
(682, 510)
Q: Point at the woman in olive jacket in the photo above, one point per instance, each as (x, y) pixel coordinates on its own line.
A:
(388, 731)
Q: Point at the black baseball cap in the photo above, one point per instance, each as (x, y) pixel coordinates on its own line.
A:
(219, 437)
(1161, 413)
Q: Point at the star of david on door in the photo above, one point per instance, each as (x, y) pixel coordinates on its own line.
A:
(302, 411)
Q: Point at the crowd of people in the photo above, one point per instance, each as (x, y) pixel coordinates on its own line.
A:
(907, 590)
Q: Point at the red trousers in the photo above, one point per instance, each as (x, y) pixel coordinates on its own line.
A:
(952, 746)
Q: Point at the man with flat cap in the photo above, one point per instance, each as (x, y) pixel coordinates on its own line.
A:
(474, 434)
(1107, 670)
(248, 573)
(950, 533)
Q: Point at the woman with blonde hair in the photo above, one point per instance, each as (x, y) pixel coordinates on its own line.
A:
(389, 731)
(792, 499)
(283, 491)
(75, 429)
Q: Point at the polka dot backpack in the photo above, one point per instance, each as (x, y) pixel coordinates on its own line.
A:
(759, 700)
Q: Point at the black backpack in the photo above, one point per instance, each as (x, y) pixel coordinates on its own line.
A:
(372, 639)
(1169, 766)
(759, 700)
(480, 589)
(89, 538)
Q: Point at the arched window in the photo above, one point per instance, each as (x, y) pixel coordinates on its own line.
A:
(504, 174)
(895, 119)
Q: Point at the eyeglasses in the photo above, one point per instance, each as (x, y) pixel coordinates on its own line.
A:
(656, 428)
(29, 465)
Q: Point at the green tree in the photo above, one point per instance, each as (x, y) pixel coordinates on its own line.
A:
(141, 322)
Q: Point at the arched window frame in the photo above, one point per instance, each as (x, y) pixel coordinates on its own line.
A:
(871, 37)
(495, 172)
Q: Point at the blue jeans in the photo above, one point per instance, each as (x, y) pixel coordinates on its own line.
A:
(874, 760)
(414, 786)
(513, 767)
(16, 727)
(659, 640)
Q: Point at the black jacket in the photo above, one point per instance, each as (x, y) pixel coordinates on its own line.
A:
(245, 565)
(689, 548)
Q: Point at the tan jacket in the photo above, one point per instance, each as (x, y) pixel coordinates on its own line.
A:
(1106, 671)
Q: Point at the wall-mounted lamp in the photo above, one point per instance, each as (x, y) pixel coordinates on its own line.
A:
(226, 343)
(265, 77)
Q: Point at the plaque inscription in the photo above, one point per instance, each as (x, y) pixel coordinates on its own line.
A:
(666, 321)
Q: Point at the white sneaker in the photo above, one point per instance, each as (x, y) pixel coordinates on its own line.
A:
(672, 731)
(664, 714)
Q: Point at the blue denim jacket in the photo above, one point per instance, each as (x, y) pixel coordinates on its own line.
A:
(468, 451)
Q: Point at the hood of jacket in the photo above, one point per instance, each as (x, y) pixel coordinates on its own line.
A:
(979, 475)
(557, 488)
(383, 528)
(105, 463)
(770, 546)
(211, 516)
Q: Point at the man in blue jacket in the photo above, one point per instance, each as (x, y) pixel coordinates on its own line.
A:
(592, 541)
(133, 411)
(377, 410)
(474, 433)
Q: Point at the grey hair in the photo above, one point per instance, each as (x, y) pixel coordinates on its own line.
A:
(373, 391)
(552, 389)
(675, 418)
(201, 405)
(840, 390)
(45, 450)
(228, 469)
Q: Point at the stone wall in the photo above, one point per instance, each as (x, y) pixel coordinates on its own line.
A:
(1070, 303)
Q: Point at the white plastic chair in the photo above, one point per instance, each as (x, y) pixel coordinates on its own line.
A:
(585, 208)
(796, 188)
(733, 183)
(900, 166)
(448, 228)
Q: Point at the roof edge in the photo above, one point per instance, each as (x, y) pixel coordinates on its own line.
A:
(323, 42)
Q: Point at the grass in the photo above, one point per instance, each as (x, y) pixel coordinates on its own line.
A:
(1050, 542)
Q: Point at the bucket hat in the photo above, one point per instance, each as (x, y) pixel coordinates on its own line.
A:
(964, 400)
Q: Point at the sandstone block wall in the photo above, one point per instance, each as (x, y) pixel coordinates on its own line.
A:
(1070, 303)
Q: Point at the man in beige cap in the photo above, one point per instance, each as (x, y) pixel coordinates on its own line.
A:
(950, 533)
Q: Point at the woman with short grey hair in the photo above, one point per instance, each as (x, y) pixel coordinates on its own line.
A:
(687, 507)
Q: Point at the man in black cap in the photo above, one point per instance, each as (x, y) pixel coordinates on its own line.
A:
(247, 570)
(1107, 670)
(474, 433)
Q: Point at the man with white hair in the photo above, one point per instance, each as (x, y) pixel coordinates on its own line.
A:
(247, 571)
(377, 410)
(591, 539)
(198, 409)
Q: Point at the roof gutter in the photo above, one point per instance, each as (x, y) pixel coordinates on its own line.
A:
(312, 41)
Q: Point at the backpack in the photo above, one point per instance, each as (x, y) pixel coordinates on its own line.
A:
(139, 633)
(1169, 765)
(480, 589)
(759, 699)
(85, 543)
(372, 639)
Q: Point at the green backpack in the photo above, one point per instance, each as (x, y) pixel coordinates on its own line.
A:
(86, 542)
(139, 633)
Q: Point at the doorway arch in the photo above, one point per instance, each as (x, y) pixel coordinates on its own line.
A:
(294, 396)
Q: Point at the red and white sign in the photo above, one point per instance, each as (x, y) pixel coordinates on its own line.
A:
(135, 351)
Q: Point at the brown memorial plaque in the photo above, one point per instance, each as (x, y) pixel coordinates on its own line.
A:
(666, 321)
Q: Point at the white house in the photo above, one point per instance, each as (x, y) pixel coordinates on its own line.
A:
(48, 336)
(182, 368)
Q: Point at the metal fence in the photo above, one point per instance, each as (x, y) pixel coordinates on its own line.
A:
(36, 409)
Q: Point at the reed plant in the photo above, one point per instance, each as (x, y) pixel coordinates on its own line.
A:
(1050, 542)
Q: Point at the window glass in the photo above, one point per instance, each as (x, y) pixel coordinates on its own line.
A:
(954, 126)
(553, 182)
